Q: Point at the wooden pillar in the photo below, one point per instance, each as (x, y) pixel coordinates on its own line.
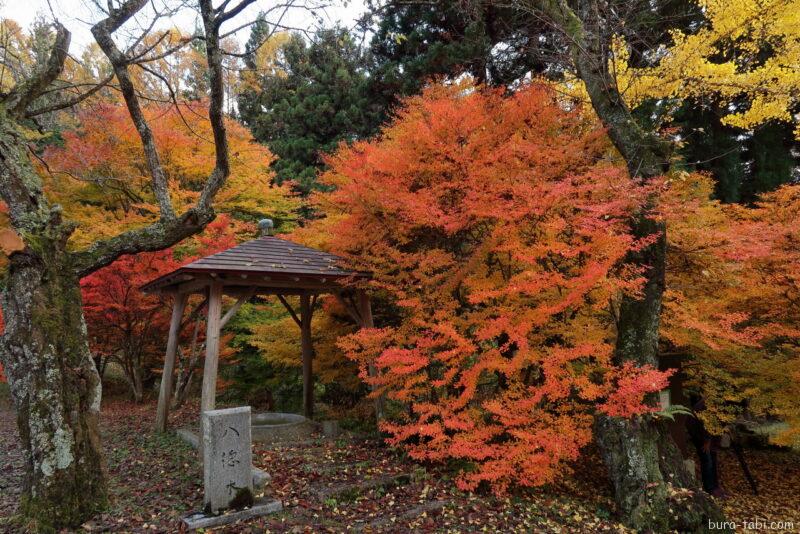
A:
(308, 355)
(365, 311)
(178, 305)
(212, 348)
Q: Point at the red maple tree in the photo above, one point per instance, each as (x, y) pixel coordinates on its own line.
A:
(129, 327)
(496, 231)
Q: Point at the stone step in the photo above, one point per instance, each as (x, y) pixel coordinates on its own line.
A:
(260, 508)
(410, 514)
(353, 490)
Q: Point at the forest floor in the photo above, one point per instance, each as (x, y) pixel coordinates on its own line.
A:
(355, 484)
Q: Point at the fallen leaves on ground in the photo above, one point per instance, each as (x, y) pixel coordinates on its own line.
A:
(356, 484)
(777, 474)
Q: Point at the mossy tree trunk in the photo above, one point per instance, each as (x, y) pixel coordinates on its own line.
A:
(54, 383)
(53, 380)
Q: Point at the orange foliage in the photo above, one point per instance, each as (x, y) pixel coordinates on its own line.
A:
(733, 304)
(101, 179)
(496, 233)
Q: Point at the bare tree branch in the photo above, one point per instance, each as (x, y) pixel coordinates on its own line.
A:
(21, 96)
(221, 170)
(168, 52)
(168, 230)
(153, 237)
(102, 32)
(72, 101)
(232, 12)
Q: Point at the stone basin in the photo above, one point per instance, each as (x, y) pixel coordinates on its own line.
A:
(267, 427)
(277, 427)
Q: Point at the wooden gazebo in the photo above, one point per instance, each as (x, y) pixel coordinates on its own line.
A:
(267, 265)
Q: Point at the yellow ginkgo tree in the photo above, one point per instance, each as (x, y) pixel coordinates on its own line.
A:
(746, 54)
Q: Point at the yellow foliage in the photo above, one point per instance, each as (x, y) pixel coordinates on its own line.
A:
(101, 179)
(279, 343)
(732, 303)
(265, 61)
(739, 31)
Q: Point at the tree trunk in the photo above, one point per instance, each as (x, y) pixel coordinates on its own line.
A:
(182, 386)
(100, 364)
(55, 387)
(186, 368)
(45, 352)
(653, 488)
(138, 382)
(54, 383)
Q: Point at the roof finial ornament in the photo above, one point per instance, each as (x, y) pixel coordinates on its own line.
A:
(265, 227)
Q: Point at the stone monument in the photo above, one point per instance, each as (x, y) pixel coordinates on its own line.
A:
(227, 471)
(227, 459)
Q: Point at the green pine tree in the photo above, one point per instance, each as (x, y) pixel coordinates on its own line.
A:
(316, 98)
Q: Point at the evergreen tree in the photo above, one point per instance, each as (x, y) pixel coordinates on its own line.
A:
(314, 98)
(414, 42)
(773, 159)
(744, 164)
(710, 146)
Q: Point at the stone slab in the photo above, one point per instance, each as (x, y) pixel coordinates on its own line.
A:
(330, 429)
(189, 437)
(260, 477)
(227, 459)
(260, 508)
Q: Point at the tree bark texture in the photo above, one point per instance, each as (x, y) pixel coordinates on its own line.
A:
(54, 383)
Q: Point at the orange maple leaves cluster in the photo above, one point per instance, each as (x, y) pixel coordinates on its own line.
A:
(496, 231)
(732, 306)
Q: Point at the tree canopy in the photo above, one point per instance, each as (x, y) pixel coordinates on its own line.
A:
(496, 229)
(312, 97)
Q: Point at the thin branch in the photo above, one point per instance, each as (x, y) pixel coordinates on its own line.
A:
(215, 114)
(174, 98)
(72, 101)
(227, 15)
(168, 52)
(22, 95)
(102, 32)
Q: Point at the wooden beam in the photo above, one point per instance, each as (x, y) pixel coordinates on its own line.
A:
(290, 310)
(236, 305)
(365, 309)
(209, 395)
(178, 305)
(193, 286)
(308, 355)
(202, 280)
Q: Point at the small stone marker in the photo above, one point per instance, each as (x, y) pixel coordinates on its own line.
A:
(330, 429)
(227, 459)
(228, 475)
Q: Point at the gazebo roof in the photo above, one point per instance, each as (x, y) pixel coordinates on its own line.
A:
(266, 262)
